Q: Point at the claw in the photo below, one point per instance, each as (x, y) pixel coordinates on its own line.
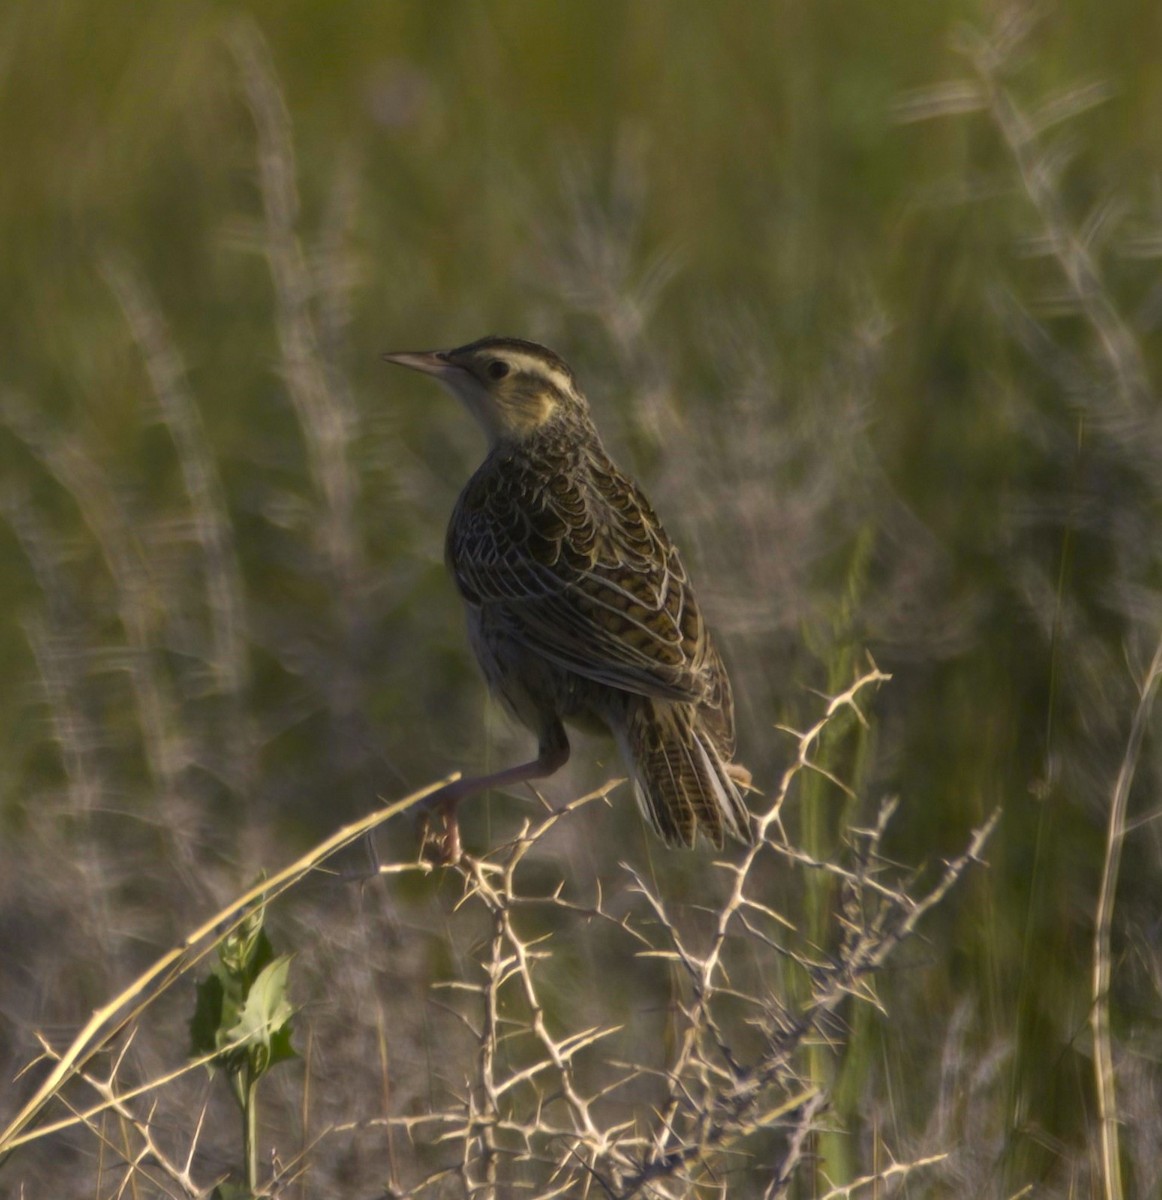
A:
(440, 834)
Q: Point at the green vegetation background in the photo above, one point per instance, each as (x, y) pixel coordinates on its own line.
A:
(828, 338)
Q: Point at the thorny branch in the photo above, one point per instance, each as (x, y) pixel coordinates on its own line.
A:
(561, 1094)
(563, 1108)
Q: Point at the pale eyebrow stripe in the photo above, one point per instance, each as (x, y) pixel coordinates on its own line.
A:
(537, 366)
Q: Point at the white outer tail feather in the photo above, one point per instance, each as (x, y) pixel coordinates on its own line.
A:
(702, 767)
(735, 818)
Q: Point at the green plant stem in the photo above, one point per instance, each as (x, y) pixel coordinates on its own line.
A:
(250, 1134)
(244, 1085)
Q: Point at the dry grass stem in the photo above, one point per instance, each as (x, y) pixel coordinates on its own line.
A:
(1103, 1059)
(126, 1008)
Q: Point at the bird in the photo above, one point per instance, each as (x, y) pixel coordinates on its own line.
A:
(579, 608)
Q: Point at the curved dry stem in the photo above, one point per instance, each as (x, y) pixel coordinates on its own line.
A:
(108, 1020)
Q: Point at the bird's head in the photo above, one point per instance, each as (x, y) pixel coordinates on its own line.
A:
(512, 387)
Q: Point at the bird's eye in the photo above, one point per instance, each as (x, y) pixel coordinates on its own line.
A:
(497, 369)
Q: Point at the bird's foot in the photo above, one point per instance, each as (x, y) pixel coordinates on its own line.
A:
(440, 834)
(740, 776)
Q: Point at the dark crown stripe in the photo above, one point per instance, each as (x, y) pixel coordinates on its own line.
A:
(533, 349)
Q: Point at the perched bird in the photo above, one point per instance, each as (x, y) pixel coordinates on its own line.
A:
(579, 607)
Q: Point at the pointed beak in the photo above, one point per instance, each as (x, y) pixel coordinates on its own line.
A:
(430, 362)
(453, 378)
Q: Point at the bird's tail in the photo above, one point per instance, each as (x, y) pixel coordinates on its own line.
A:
(683, 778)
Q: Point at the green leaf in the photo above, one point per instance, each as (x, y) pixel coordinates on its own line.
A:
(231, 1191)
(246, 951)
(263, 1025)
(207, 1018)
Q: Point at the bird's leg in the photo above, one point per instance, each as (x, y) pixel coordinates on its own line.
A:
(552, 755)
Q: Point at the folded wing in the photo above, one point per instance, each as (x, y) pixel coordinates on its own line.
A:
(586, 576)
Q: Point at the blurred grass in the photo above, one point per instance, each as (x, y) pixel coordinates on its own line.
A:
(817, 333)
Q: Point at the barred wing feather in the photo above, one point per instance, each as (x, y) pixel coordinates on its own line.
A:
(586, 576)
